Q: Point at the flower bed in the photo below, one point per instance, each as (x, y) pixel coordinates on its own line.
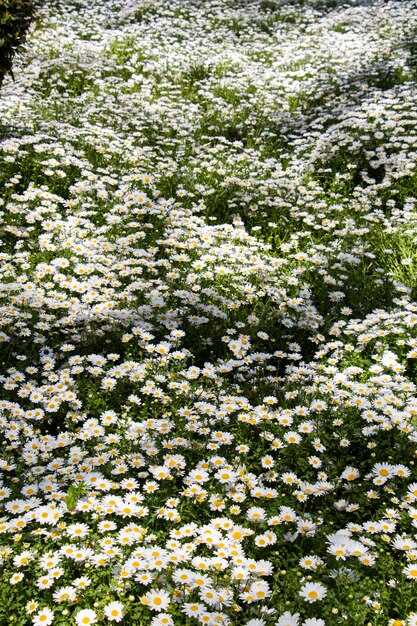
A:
(208, 316)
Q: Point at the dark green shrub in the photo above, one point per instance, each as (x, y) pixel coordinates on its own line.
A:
(15, 18)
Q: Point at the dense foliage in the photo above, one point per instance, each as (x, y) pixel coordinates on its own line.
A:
(208, 282)
(15, 18)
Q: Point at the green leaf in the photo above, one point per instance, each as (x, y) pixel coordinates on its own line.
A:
(73, 494)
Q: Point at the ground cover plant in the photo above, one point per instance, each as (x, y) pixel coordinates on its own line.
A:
(208, 316)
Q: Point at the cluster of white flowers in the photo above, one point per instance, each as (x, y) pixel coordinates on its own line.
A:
(208, 326)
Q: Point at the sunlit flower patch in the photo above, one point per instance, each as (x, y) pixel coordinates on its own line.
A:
(208, 318)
